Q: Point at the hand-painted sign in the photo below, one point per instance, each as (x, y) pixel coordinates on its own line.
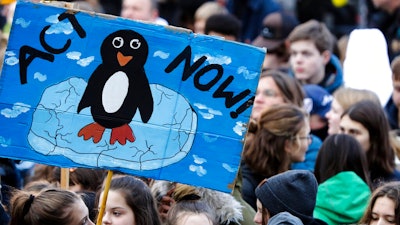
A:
(88, 90)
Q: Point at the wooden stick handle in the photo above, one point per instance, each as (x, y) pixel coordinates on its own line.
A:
(104, 200)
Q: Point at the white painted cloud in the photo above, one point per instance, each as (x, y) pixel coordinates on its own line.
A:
(11, 61)
(207, 112)
(219, 59)
(207, 116)
(85, 61)
(240, 128)
(52, 18)
(228, 168)
(4, 142)
(58, 27)
(199, 170)
(40, 77)
(200, 106)
(161, 54)
(74, 55)
(215, 112)
(246, 73)
(10, 53)
(17, 109)
(22, 22)
(199, 160)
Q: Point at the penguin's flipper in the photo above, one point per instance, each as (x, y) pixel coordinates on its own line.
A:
(93, 90)
(85, 101)
(145, 103)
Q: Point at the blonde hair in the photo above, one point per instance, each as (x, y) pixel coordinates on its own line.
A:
(347, 96)
(208, 9)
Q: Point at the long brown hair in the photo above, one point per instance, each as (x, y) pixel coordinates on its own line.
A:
(380, 156)
(390, 190)
(49, 207)
(265, 146)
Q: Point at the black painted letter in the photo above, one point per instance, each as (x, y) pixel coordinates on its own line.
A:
(188, 70)
(24, 61)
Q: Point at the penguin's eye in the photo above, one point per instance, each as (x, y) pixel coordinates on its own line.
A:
(118, 42)
(135, 43)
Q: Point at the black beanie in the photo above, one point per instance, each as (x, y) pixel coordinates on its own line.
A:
(293, 191)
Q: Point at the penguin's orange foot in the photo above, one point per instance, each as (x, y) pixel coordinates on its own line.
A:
(121, 134)
(93, 130)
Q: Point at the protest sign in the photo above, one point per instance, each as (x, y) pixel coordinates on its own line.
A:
(80, 89)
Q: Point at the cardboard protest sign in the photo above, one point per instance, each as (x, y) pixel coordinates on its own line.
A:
(81, 89)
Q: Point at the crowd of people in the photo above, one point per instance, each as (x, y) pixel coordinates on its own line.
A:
(317, 150)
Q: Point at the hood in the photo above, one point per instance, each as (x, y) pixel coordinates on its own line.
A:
(333, 75)
(342, 199)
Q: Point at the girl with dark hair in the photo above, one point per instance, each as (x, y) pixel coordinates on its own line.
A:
(341, 171)
(384, 205)
(49, 207)
(129, 202)
(276, 87)
(367, 123)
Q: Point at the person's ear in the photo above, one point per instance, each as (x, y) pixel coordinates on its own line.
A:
(326, 56)
(288, 146)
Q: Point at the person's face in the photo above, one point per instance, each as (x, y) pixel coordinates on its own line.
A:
(80, 214)
(138, 10)
(199, 26)
(307, 63)
(194, 219)
(297, 148)
(258, 218)
(333, 116)
(357, 130)
(396, 92)
(383, 212)
(117, 212)
(267, 95)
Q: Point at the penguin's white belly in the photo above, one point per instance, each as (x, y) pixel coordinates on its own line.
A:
(115, 91)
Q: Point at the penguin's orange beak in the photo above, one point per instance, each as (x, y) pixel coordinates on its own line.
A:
(123, 60)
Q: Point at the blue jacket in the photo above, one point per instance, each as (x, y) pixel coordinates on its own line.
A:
(333, 75)
(311, 156)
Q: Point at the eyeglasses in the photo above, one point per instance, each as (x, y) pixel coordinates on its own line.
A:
(307, 137)
(268, 93)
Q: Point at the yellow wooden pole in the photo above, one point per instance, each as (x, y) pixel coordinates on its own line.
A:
(64, 179)
(104, 200)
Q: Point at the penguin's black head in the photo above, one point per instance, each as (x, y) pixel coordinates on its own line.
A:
(124, 47)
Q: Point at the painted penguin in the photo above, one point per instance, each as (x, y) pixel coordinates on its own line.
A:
(118, 88)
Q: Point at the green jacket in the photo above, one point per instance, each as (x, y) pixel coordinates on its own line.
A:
(342, 199)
